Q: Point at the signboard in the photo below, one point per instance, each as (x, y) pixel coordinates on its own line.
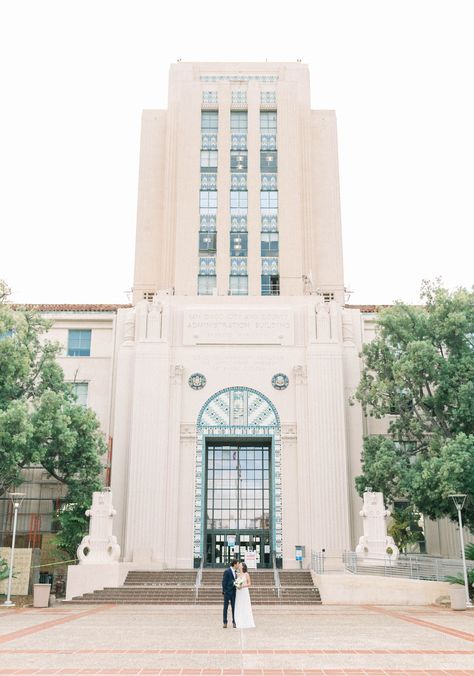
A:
(231, 540)
(299, 552)
(250, 558)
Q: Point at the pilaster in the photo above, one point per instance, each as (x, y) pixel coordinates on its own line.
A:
(327, 434)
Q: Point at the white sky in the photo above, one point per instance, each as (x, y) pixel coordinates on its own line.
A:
(75, 75)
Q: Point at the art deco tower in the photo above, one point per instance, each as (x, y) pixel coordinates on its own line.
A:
(238, 189)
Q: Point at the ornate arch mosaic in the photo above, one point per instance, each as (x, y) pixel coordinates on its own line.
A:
(238, 412)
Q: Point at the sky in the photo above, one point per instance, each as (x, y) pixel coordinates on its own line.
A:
(75, 76)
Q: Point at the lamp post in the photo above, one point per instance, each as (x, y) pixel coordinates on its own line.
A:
(17, 499)
(459, 499)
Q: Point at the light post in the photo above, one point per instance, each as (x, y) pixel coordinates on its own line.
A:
(459, 499)
(17, 499)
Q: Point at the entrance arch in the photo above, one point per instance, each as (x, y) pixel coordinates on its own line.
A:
(237, 477)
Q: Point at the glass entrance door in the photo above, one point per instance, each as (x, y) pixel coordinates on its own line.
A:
(238, 504)
(220, 548)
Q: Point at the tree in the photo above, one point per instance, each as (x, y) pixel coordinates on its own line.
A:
(41, 422)
(419, 370)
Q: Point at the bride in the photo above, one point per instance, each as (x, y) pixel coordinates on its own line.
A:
(243, 605)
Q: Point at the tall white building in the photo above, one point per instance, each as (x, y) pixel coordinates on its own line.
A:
(224, 390)
(234, 367)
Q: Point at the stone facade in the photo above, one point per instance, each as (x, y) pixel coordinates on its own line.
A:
(177, 371)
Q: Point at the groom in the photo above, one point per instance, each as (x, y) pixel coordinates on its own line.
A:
(228, 590)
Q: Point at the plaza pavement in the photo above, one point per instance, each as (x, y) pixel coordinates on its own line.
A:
(108, 639)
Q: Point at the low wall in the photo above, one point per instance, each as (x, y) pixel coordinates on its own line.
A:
(21, 570)
(86, 578)
(350, 589)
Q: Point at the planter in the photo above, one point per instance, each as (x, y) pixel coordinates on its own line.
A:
(41, 595)
(457, 593)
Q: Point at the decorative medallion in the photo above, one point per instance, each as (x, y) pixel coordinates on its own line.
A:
(197, 381)
(280, 381)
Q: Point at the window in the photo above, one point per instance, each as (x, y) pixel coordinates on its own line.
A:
(238, 199)
(238, 244)
(238, 161)
(268, 199)
(238, 121)
(208, 199)
(206, 284)
(209, 161)
(270, 285)
(269, 244)
(209, 120)
(238, 285)
(207, 242)
(81, 391)
(268, 121)
(79, 343)
(268, 161)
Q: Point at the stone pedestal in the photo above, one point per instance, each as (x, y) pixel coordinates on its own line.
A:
(375, 545)
(98, 552)
(100, 546)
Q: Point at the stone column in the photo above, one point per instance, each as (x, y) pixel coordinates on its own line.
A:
(327, 434)
(185, 554)
(173, 466)
(303, 447)
(291, 512)
(122, 417)
(146, 499)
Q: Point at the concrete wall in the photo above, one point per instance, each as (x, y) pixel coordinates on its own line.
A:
(350, 589)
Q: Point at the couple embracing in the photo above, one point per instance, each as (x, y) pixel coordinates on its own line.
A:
(235, 588)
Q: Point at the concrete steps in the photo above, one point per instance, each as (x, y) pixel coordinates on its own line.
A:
(175, 587)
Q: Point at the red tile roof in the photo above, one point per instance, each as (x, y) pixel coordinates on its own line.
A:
(73, 307)
(113, 307)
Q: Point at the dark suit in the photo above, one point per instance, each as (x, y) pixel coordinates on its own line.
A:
(228, 590)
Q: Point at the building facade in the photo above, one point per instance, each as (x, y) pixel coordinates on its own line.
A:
(224, 389)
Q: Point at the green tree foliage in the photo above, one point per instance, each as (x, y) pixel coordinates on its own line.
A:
(4, 569)
(420, 371)
(41, 422)
(405, 528)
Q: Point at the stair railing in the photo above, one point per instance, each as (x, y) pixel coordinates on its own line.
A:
(276, 576)
(198, 580)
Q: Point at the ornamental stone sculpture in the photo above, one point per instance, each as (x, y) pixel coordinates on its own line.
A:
(100, 546)
(375, 543)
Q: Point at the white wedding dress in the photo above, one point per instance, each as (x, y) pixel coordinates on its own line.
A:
(243, 607)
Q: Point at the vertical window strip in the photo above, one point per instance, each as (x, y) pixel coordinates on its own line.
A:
(238, 278)
(269, 238)
(207, 240)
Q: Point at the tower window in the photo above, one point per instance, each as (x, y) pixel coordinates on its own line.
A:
(270, 285)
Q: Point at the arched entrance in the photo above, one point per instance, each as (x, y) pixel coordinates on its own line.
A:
(238, 479)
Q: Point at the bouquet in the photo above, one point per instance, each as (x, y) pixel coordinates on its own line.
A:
(238, 583)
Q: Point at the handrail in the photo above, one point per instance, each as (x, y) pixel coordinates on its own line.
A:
(406, 565)
(198, 579)
(276, 576)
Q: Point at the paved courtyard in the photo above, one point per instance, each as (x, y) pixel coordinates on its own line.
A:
(178, 640)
